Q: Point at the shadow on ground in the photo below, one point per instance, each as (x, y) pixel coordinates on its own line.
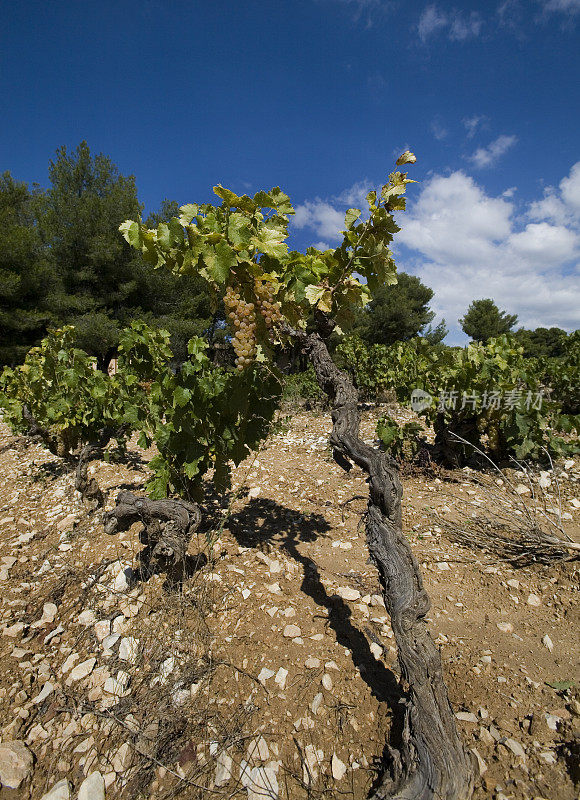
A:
(262, 521)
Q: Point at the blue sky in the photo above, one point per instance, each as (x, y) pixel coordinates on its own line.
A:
(319, 97)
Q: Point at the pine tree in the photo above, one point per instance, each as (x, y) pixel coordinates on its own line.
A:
(483, 320)
(26, 276)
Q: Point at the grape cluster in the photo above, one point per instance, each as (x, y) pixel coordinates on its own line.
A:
(269, 309)
(243, 318)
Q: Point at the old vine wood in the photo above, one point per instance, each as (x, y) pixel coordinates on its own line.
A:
(432, 761)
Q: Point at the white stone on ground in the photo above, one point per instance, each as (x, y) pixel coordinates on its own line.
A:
(93, 787)
(49, 612)
(16, 762)
(69, 663)
(47, 689)
(265, 674)
(60, 791)
(346, 593)
(258, 749)
(338, 768)
(123, 758)
(480, 762)
(466, 716)
(129, 649)
(102, 629)
(81, 671)
(505, 627)
(262, 784)
(87, 617)
(376, 650)
(223, 770)
(516, 748)
(281, 676)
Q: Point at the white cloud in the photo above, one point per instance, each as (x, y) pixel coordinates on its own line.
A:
(570, 188)
(356, 195)
(459, 26)
(451, 204)
(561, 207)
(541, 243)
(430, 21)
(326, 217)
(511, 15)
(550, 207)
(488, 156)
(471, 124)
(439, 130)
(565, 6)
(320, 216)
(463, 28)
(466, 244)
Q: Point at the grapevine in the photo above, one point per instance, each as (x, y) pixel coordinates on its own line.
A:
(270, 294)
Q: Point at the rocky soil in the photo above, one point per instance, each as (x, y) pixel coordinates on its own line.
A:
(271, 670)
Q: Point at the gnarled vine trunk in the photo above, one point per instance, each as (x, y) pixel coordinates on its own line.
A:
(432, 762)
(88, 487)
(168, 526)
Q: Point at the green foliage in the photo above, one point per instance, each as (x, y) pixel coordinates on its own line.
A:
(241, 244)
(98, 335)
(490, 395)
(303, 386)
(437, 334)
(491, 390)
(64, 392)
(203, 418)
(144, 352)
(200, 418)
(563, 376)
(62, 261)
(397, 313)
(78, 217)
(376, 369)
(542, 342)
(401, 440)
(25, 275)
(71, 400)
(483, 321)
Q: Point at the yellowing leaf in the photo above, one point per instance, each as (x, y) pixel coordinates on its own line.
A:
(406, 158)
(131, 232)
(325, 302)
(313, 293)
(351, 216)
(188, 212)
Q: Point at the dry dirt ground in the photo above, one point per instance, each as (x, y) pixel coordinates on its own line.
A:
(271, 670)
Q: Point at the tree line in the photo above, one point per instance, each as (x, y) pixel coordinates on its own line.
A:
(62, 261)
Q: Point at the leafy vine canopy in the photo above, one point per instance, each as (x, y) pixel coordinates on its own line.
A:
(240, 248)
